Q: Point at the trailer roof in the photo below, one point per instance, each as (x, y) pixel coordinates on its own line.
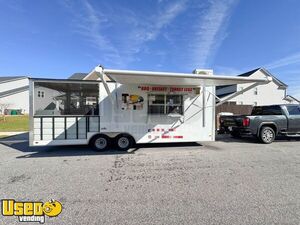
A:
(182, 79)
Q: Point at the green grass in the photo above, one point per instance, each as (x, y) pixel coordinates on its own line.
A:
(14, 123)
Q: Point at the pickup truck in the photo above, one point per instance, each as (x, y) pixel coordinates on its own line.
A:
(265, 122)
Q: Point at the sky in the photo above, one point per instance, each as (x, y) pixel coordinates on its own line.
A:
(57, 38)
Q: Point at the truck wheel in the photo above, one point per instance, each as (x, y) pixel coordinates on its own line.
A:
(100, 142)
(124, 142)
(267, 135)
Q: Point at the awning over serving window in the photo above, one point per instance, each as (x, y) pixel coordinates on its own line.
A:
(178, 79)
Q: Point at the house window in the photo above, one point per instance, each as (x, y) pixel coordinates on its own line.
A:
(165, 104)
(41, 94)
(255, 91)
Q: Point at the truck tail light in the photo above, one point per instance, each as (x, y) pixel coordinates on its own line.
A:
(246, 122)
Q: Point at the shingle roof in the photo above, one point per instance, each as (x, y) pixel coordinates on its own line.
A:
(248, 74)
(11, 78)
(78, 76)
(275, 79)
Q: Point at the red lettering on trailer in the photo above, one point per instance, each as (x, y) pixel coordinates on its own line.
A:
(165, 136)
(144, 88)
(178, 136)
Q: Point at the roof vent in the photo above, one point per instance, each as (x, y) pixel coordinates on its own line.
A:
(203, 72)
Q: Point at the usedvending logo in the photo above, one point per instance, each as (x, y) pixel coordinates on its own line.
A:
(31, 211)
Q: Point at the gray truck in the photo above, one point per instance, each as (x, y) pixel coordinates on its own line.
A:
(265, 122)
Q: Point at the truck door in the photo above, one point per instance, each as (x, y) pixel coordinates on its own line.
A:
(293, 118)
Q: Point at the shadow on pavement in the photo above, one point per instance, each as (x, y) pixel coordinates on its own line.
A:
(249, 139)
(21, 143)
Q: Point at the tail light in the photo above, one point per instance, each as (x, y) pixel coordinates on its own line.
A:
(246, 122)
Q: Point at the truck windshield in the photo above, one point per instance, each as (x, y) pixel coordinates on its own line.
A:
(266, 110)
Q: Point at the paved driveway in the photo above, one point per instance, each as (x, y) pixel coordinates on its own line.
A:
(225, 182)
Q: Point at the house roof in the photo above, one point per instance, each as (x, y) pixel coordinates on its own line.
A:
(289, 97)
(78, 76)
(248, 74)
(14, 91)
(11, 78)
(275, 79)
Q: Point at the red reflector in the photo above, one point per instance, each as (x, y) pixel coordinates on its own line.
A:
(246, 122)
(178, 136)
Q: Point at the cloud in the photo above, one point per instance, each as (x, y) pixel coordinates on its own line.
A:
(165, 17)
(289, 73)
(285, 61)
(210, 31)
(89, 23)
(121, 49)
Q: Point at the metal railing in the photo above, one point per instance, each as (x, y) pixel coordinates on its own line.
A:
(66, 127)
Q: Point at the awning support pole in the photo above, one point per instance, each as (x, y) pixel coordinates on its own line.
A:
(204, 105)
(99, 71)
(238, 93)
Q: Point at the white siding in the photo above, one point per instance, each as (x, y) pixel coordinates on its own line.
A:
(7, 86)
(19, 100)
(267, 94)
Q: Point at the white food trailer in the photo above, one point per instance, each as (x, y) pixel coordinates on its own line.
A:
(124, 107)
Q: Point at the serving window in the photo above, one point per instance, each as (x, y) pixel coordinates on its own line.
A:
(165, 104)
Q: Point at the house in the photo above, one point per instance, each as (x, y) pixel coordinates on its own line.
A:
(274, 92)
(14, 94)
(291, 100)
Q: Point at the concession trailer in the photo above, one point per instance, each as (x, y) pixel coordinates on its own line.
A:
(122, 107)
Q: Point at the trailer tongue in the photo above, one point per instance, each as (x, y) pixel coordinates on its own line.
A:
(126, 107)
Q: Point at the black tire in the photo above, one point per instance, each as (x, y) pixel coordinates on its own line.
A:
(100, 142)
(124, 142)
(235, 134)
(267, 135)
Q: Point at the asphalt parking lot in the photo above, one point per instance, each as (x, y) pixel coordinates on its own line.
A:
(225, 182)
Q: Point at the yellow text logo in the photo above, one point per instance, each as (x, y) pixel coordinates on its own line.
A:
(31, 211)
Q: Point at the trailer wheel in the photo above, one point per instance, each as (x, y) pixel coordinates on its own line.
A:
(124, 142)
(267, 135)
(100, 142)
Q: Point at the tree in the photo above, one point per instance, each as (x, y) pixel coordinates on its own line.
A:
(3, 108)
